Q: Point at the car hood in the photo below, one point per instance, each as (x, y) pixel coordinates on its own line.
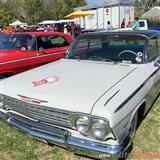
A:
(67, 84)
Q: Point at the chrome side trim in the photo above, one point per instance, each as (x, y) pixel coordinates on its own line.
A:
(33, 57)
(137, 90)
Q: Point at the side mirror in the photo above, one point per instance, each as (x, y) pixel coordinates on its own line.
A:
(157, 62)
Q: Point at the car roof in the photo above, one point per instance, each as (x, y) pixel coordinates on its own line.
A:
(145, 33)
(41, 33)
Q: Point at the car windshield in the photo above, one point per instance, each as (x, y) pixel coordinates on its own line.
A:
(114, 48)
(21, 41)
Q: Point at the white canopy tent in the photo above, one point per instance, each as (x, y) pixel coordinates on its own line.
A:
(153, 14)
(59, 21)
(66, 20)
(18, 23)
(48, 22)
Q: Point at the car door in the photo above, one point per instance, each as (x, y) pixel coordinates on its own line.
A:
(19, 57)
(51, 48)
(43, 50)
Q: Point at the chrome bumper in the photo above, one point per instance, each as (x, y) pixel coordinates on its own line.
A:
(63, 138)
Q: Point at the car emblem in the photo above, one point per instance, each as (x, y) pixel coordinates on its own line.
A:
(31, 100)
(45, 81)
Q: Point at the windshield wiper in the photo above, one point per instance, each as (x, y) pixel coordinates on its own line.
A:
(96, 58)
(109, 60)
(74, 57)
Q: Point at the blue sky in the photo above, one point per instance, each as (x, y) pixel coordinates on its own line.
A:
(94, 1)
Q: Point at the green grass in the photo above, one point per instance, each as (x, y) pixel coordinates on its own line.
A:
(15, 145)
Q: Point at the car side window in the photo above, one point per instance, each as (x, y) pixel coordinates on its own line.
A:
(40, 43)
(141, 23)
(47, 42)
(21, 40)
(153, 48)
(58, 41)
(81, 47)
(31, 44)
(95, 44)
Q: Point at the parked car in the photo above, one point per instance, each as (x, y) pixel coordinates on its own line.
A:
(143, 25)
(23, 51)
(91, 101)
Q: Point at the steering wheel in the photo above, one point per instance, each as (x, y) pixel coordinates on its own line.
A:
(126, 51)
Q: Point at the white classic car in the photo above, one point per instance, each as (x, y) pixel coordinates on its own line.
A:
(91, 101)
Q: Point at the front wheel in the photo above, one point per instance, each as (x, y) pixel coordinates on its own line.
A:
(133, 126)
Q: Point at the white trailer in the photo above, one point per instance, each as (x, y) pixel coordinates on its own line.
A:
(113, 11)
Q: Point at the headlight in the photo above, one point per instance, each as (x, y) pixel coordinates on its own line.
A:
(82, 124)
(91, 126)
(99, 129)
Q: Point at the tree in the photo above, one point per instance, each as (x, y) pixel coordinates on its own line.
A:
(57, 9)
(33, 11)
(8, 11)
(69, 6)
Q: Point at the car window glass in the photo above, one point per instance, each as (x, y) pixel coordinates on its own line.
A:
(141, 24)
(81, 47)
(118, 48)
(59, 41)
(17, 41)
(153, 50)
(95, 44)
(41, 43)
(5, 42)
(31, 44)
(47, 42)
(21, 40)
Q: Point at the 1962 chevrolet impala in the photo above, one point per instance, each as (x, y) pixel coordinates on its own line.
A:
(93, 100)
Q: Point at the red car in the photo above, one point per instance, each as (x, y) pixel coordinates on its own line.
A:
(31, 49)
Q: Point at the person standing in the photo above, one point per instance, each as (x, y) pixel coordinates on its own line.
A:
(136, 24)
(69, 28)
(65, 29)
(129, 24)
(53, 28)
(123, 25)
(109, 26)
(77, 31)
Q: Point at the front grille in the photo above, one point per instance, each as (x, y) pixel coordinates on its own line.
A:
(41, 113)
(38, 130)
